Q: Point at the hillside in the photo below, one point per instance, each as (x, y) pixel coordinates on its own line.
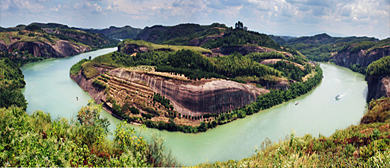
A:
(321, 47)
(179, 88)
(219, 38)
(38, 140)
(358, 56)
(31, 43)
(126, 32)
(364, 145)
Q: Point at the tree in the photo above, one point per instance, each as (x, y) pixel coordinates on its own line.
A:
(239, 25)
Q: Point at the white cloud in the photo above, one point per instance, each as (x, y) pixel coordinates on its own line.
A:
(55, 8)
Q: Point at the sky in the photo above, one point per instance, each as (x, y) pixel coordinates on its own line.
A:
(279, 17)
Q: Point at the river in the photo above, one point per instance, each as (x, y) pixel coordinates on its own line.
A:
(49, 88)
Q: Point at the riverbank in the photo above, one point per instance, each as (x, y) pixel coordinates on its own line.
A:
(206, 121)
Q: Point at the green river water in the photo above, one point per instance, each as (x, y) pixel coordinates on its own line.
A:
(49, 88)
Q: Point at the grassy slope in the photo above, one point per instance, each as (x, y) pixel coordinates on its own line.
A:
(152, 46)
(321, 47)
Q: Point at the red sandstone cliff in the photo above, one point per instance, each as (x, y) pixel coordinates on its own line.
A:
(378, 86)
(363, 57)
(210, 97)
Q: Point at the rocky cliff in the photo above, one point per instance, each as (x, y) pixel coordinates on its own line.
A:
(189, 99)
(364, 58)
(60, 48)
(378, 86)
(211, 97)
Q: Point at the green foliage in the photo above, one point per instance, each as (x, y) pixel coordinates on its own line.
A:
(134, 110)
(11, 80)
(239, 37)
(362, 46)
(33, 27)
(321, 47)
(357, 146)
(75, 69)
(358, 68)
(99, 83)
(290, 70)
(89, 70)
(94, 40)
(258, 57)
(37, 140)
(164, 101)
(379, 67)
(378, 111)
(238, 65)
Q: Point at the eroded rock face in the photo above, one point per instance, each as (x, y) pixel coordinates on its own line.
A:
(378, 86)
(96, 93)
(363, 58)
(41, 49)
(132, 48)
(211, 97)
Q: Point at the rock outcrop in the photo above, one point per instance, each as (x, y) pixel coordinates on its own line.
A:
(378, 86)
(97, 93)
(364, 58)
(210, 97)
(61, 48)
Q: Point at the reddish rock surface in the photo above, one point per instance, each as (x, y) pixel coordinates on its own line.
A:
(211, 97)
(41, 49)
(363, 57)
(378, 86)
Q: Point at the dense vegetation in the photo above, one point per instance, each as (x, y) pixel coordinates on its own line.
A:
(378, 111)
(126, 32)
(38, 140)
(180, 34)
(365, 145)
(49, 34)
(94, 40)
(379, 67)
(183, 34)
(11, 81)
(239, 37)
(321, 47)
(265, 101)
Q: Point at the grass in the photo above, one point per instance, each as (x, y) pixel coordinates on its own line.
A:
(153, 47)
(75, 69)
(89, 70)
(41, 37)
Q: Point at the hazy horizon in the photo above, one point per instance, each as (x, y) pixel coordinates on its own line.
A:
(281, 17)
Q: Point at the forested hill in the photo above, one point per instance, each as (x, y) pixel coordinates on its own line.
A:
(320, 47)
(39, 41)
(208, 36)
(126, 32)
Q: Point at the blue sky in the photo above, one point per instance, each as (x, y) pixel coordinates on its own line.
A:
(279, 17)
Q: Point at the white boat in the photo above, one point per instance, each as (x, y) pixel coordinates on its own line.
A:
(337, 97)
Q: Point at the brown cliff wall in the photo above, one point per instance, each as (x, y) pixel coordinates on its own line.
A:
(378, 86)
(211, 97)
(41, 49)
(95, 92)
(346, 58)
